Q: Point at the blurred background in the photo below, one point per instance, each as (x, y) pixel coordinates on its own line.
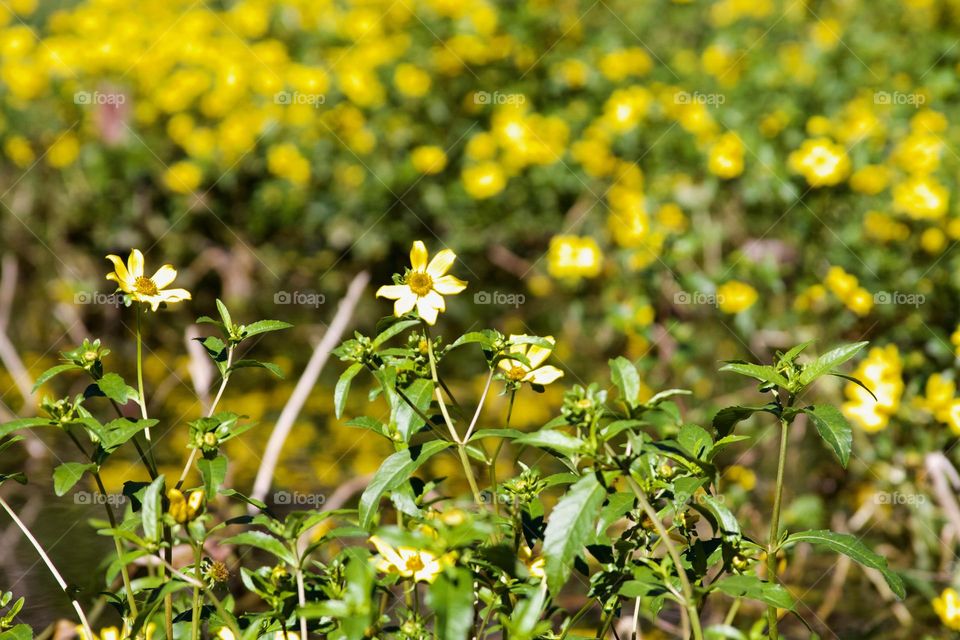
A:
(679, 182)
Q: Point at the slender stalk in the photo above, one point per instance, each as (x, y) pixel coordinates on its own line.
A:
(217, 604)
(197, 600)
(496, 455)
(575, 619)
(636, 633)
(691, 617)
(301, 591)
(732, 613)
(461, 448)
(210, 412)
(774, 542)
(50, 566)
(476, 415)
(142, 398)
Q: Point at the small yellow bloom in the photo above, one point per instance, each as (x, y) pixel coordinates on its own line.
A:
(18, 149)
(735, 296)
(411, 81)
(871, 179)
(484, 180)
(183, 509)
(822, 162)
(533, 372)
(424, 285)
(428, 159)
(574, 257)
(422, 566)
(131, 280)
(745, 478)
(64, 151)
(726, 157)
(947, 606)
(921, 197)
(183, 177)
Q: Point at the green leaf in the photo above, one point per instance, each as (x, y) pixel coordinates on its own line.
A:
(342, 390)
(408, 421)
(726, 419)
(264, 326)
(256, 364)
(695, 440)
(118, 432)
(855, 381)
(152, 509)
(213, 473)
(23, 423)
(394, 471)
(792, 354)
(665, 395)
(723, 518)
(851, 547)
(761, 372)
(451, 597)
(68, 474)
(834, 429)
(624, 375)
(18, 632)
(263, 541)
(551, 439)
(225, 315)
(392, 330)
(829, 361)
(51, 372)
(750, 586)
(571, 524)
(116, 388)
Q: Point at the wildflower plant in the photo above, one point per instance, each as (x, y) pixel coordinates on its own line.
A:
(613, 510)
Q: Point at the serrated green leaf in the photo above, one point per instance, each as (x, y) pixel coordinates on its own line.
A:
(395, 470)
(116, 388)
(152, 508)
(551, 439)
(750, 586)
(851, 547)
(451, 597)
(264, 326)
(23, 423)
(118, 432)
(761, 372)
(224, 315)
(393, 330)
(66, 475)
(50, 373)
(264, 542)
(726, 419)
(829, 361)
(342, 389)
(625, 377)
(571, 524)
(256, 364)
(408, 420)
(213, 473)
(834, 429)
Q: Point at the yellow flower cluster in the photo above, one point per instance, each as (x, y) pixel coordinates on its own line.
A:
(821, 161)
(574, 257)
(846, 287)
(735, 296)
(947, 606)
(881, 371)
(940, 400)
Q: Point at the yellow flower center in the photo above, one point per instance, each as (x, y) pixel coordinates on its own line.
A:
(420, 283)
(517, 373)
(414, 563)
(145, 286)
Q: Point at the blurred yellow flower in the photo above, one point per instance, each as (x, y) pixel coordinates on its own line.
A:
(64, 151)
(881, 372)
(428, 159)
(422, 566)
(624, 63)
(534, 373)
(131, 280)
(18, 149)
(921, 197)
(726, 157)
(411, 81)
(947, 606)
(183, 177)
(735, 297)
(870, 179)
(424, 284)
(574, 257)
(742, 476)
(821, 162)
(286, 161)
(483, 180)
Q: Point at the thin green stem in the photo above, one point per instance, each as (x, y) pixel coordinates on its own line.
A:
(210, 412)
(50, 566)
(691, 617)
(774, 543)
(301, 591)
(197, 600)
(141, 397)
(496, 455)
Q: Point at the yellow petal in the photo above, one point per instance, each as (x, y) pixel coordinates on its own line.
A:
(441, 263)
(174, 295)
(537, 354)
(393, 291)
(448, 285)
(135, 264)
(418, 256)
(119, 274)
(405, 303)
(429, 307)
(164, 276)
(544, 375)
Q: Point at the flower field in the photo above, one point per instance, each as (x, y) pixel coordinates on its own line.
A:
(479, 319)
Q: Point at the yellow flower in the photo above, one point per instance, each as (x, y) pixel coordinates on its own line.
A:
(821, 162)
(428, 159)
(64, 151)
(183, 509)
(955, 340)
(538, 568)
(183, 177)
(920, 197)
(726, 157)
(871, 179)
(881, 372)
(735, 296)
(574, 257)
(18, 150)
(947, 606)
(286, 161)
(745, 478)
(411, 81)
(131, 280)
(533, 373)
(484, 180)
(422, 566)
(424, 285)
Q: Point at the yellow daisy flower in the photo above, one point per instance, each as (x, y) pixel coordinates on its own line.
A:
(424, 284)
(532, 373)
(422, 566)
(130, 280)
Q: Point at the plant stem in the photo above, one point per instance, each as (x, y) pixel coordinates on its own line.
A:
(210, 411)
(691, 618)
(143, 400)
(476, 415)
(301, 591)
(50, 566)
(773, 544)
(461, 448)
(195, 617)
